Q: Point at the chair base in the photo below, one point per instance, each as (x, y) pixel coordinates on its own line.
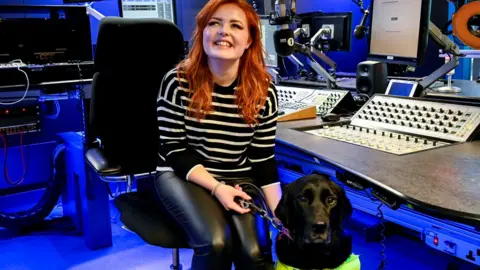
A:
(178, 267)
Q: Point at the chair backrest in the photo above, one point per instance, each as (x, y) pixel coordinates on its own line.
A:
(132, 56)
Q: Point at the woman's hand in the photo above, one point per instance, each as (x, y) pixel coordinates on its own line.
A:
(226, 195)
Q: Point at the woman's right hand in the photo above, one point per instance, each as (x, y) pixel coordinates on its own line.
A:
(226, 195)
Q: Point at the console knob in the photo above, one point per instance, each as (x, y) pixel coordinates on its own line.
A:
(459, 113)
(407, 138)
(455, 118)
(450, 112)
(441, 110)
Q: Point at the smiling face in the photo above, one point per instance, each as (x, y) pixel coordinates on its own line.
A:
(226, 36)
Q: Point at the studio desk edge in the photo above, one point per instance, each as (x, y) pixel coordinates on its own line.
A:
(443, 182)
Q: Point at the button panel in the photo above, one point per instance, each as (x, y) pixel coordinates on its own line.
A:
(451, 122)
(296, 98)
(391, 142)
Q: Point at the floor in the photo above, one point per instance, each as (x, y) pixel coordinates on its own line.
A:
(60, 249)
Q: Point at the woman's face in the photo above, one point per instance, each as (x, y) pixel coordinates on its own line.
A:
(226, 36)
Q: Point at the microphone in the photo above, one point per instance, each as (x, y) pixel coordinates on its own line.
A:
(284, 38)
(361, 29)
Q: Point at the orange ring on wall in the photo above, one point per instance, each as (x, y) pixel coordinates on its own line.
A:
(460, 24)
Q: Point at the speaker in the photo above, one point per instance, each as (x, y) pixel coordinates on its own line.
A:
(372, 77)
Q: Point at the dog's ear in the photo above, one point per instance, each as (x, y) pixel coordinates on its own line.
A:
(282, 211)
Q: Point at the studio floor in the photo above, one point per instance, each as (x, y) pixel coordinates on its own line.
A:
(52, 250)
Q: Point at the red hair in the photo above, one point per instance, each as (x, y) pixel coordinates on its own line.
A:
(253, 77)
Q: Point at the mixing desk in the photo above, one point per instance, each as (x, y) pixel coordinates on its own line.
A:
(401, 125)
(292, 99)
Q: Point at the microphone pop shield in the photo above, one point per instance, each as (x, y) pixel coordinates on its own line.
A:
(284, 42)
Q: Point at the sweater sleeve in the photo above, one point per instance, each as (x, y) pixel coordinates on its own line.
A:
(262, 148)
(173, 147)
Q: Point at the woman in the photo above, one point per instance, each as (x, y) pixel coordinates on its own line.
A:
(217, 116)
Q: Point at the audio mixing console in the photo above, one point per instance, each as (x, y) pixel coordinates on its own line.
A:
(402, 125)
(295, 99)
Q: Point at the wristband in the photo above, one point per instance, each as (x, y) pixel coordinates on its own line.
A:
(216, 187)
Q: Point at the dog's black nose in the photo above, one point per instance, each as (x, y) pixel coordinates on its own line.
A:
(320, 227)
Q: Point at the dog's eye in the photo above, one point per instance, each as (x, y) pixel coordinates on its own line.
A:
(331, 200)
(303, 198)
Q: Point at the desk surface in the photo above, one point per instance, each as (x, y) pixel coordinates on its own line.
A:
(444, 180)
(470, 91)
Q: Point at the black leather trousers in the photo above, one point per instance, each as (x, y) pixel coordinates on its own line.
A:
(218, 237)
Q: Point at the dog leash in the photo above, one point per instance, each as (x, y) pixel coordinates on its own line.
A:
(264, 214)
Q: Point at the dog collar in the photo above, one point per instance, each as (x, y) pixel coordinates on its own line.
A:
(351, 263)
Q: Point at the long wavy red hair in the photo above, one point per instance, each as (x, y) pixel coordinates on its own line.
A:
(253, 77)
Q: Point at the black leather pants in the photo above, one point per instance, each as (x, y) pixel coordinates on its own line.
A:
(218, 237)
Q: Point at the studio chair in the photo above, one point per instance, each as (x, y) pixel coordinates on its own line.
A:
(132, 56)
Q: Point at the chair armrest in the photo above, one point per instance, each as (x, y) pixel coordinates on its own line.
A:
(97, 160)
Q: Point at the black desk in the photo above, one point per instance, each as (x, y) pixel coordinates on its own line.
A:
(443, 182)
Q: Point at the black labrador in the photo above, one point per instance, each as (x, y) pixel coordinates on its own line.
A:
(314, 208)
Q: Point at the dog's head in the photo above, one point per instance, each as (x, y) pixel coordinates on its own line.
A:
(313, 207)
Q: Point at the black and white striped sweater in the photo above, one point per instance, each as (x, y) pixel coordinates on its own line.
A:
(222, 142)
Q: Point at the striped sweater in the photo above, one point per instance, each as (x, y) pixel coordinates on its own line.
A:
(222, 142)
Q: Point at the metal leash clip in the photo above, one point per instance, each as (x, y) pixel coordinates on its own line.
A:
(264, 214)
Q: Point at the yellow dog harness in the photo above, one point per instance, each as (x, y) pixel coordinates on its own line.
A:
(352, 263)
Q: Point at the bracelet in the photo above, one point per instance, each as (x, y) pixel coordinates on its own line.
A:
(216, 187)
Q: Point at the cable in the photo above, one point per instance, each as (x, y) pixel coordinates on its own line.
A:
(18, 61)
(37, 214)
(5, 164)
(57, 110)
(379, 215)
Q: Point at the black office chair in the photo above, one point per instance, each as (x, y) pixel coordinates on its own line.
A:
(132, 56)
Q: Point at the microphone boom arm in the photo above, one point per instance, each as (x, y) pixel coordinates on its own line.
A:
(301, 48)
(446, 45)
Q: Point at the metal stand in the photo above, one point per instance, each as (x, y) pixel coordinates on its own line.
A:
(176, 265)
(449, 88)
(448, 46)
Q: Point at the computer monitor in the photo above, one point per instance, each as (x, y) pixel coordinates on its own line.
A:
(399, 31)
(401, 88)
(339, 22)
(136, 9)
(271, 58)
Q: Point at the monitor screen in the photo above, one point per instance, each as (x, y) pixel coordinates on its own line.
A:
(399, 30)
(271, 59)
(137, 9)
(401, 88)
(339, 22)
